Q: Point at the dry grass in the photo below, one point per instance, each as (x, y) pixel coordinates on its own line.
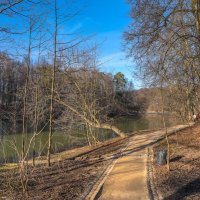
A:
(71, 175)
(183, 179)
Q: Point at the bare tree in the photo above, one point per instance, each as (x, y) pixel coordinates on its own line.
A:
(53, 82)
(165, 37)
(8, 5)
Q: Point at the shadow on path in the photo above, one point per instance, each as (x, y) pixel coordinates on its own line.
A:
(186, 191)
(127, 152)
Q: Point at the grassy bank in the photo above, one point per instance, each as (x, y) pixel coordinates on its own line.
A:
(71, 175)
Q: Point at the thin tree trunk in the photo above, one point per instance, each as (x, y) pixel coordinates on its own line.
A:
(23, 172)
(35, 123)
(166, 132)
(24, 120)
(52, 89)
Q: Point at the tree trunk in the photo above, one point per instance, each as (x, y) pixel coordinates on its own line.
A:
(166, 132)
(52, 89)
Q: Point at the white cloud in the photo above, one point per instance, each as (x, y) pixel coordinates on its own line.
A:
(75, 28)
(116, 62)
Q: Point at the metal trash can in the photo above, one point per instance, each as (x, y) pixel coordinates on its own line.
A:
(161, 157)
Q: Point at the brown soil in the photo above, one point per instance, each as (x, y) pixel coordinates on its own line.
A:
(183, 179)
(70, 177)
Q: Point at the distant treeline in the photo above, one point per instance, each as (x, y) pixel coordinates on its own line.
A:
(82, 95)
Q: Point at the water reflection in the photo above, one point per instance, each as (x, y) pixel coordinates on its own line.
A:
(62, 141)
(148, 121)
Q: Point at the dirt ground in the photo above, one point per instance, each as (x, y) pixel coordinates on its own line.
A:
(183, 179)
(70, 177)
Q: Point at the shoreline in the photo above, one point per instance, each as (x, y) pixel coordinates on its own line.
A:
(74, 152)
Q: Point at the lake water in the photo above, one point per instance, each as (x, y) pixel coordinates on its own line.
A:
(11, 144)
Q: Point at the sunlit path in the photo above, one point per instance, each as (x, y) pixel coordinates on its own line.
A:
(127, 180)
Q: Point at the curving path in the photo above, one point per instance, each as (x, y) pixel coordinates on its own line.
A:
(128, 178)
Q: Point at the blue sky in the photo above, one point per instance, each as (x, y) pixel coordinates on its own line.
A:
(107, 19)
